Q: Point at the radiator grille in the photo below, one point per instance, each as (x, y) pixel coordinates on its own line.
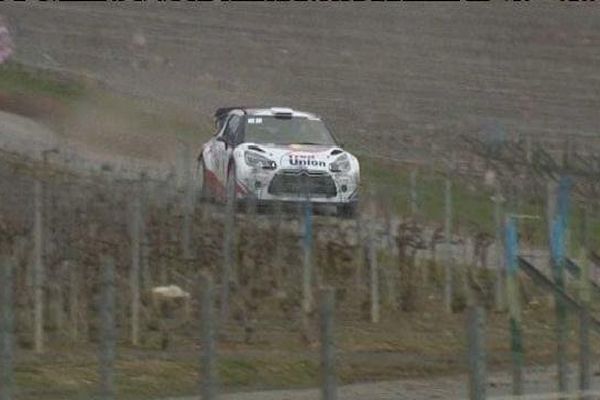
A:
(301, 183)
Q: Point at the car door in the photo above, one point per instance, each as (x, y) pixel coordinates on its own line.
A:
(225, 144)
(211, 155)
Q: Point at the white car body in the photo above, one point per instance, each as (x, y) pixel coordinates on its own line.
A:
(267, 172)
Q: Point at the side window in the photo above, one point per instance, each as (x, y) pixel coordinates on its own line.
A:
(239, 132)
(231, 131)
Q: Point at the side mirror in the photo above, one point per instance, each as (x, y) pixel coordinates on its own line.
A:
(221, 139)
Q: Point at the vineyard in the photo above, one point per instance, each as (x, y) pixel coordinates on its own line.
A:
(395, 276)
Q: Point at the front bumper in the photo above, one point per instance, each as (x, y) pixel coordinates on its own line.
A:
(295, 186)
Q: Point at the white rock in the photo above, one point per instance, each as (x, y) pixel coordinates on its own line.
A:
(171, 291)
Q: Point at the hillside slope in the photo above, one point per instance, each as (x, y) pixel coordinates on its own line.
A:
(391, 78)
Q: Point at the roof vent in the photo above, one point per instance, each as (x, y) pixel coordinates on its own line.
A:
(281, 110)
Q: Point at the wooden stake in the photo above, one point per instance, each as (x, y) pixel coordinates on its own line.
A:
(39, 274)
(448, 262)
(329, 384)
(6, 327)
(134, 275)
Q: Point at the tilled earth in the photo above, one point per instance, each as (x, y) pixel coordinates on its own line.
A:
(391, 78)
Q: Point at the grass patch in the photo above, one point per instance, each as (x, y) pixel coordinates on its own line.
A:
(472, 205)
(154, 118)
(268, 372)
(16, 78)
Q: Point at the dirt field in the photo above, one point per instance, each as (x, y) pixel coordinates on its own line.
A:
(391, 78)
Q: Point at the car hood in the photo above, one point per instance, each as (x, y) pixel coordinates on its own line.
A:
(298, 156)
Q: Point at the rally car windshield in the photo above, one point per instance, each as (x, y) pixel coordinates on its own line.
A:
(295, 130)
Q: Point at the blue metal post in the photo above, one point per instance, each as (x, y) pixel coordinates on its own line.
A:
(558, 254)
(511, 246)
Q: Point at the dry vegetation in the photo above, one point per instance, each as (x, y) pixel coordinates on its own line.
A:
(264, 344)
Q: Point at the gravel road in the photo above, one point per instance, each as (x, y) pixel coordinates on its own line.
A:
(539, 385)
(26, 137)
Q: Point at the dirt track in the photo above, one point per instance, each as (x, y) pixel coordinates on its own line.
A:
(389, 77)
(539, 381)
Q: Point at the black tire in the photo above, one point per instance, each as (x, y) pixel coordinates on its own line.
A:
(347, 211)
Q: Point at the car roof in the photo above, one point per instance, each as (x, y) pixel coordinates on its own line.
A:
(264, 112)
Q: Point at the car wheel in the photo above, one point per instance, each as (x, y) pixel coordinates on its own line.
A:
(347, 210)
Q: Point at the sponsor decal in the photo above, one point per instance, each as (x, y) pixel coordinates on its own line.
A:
(305, 160)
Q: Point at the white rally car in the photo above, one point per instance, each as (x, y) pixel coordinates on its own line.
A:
(277, 154)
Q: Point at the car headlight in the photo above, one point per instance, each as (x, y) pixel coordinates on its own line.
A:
(256, 160)
(340, 164)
